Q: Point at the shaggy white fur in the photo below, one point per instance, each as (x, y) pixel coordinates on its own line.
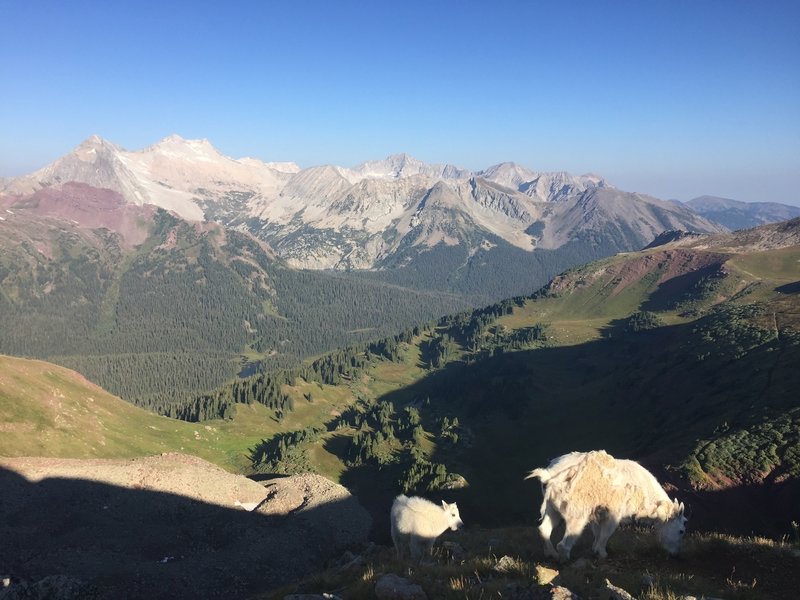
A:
(417, 522)
(594, 488)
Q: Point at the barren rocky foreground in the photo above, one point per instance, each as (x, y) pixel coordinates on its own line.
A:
(164, 527)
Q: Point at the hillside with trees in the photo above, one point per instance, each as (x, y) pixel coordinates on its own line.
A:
(681, 357)
(182, 312)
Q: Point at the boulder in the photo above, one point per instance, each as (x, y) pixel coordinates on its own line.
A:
(612, 592)
(168, 526)
(394, 587)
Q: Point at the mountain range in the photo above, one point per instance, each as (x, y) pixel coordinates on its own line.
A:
(383, 216)
(682, 356)
(734, 214)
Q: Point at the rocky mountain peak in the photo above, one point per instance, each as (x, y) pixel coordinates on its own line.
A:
(508, 174)
(397, 166)
(177, 147)
(597, 180)
(280, 166)
(364, 215)
(92, 147)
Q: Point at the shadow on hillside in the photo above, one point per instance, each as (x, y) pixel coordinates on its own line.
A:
(134, 543)
(683, 288)
(646, 396)
(789, 288)
(376, 493)
(757, 509)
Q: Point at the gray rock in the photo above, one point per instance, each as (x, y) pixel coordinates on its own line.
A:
(612, 592)
(394, 587)
(218, 551)
(505, 564)
(456, 482)
(346, 560)
(545, 575)
(561, 593)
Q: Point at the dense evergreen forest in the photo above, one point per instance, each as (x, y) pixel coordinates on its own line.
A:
(182, 313)
(193, 306)
(492, 273)
(387, 437)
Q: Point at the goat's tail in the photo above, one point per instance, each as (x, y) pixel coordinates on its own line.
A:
(542, 474)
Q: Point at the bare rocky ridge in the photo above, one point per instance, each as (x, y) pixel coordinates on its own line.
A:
(86, 206)
(168, 526)
(764, 237)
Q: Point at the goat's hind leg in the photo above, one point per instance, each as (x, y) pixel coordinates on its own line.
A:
(575, 526)
(550, 520)
(602, 531)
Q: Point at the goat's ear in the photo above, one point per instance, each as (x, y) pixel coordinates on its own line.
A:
(444, 505)
(681, 507)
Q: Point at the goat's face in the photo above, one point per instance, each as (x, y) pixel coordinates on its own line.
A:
(453, 519)
(671, 531)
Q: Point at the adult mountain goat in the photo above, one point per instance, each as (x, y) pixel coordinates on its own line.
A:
(595, 488)
(416, 523)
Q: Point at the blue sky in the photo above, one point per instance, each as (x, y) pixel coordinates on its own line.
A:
(675, 99)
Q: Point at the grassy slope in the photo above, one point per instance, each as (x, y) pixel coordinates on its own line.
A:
(711, 566)
(578, 374)
(650, 396)
(47, 410)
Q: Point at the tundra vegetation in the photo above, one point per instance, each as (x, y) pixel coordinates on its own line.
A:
(478, 563)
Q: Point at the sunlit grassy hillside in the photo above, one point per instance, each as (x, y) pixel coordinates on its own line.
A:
(683, 358)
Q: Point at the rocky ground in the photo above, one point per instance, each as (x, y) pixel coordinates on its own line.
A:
(171, 526)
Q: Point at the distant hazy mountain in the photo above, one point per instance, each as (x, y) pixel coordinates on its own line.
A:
(734, 214)
(385, 214)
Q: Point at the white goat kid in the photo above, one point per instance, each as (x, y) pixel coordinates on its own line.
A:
(416, 523)
(594, 488)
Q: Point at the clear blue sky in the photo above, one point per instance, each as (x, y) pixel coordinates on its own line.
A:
(675, 99)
